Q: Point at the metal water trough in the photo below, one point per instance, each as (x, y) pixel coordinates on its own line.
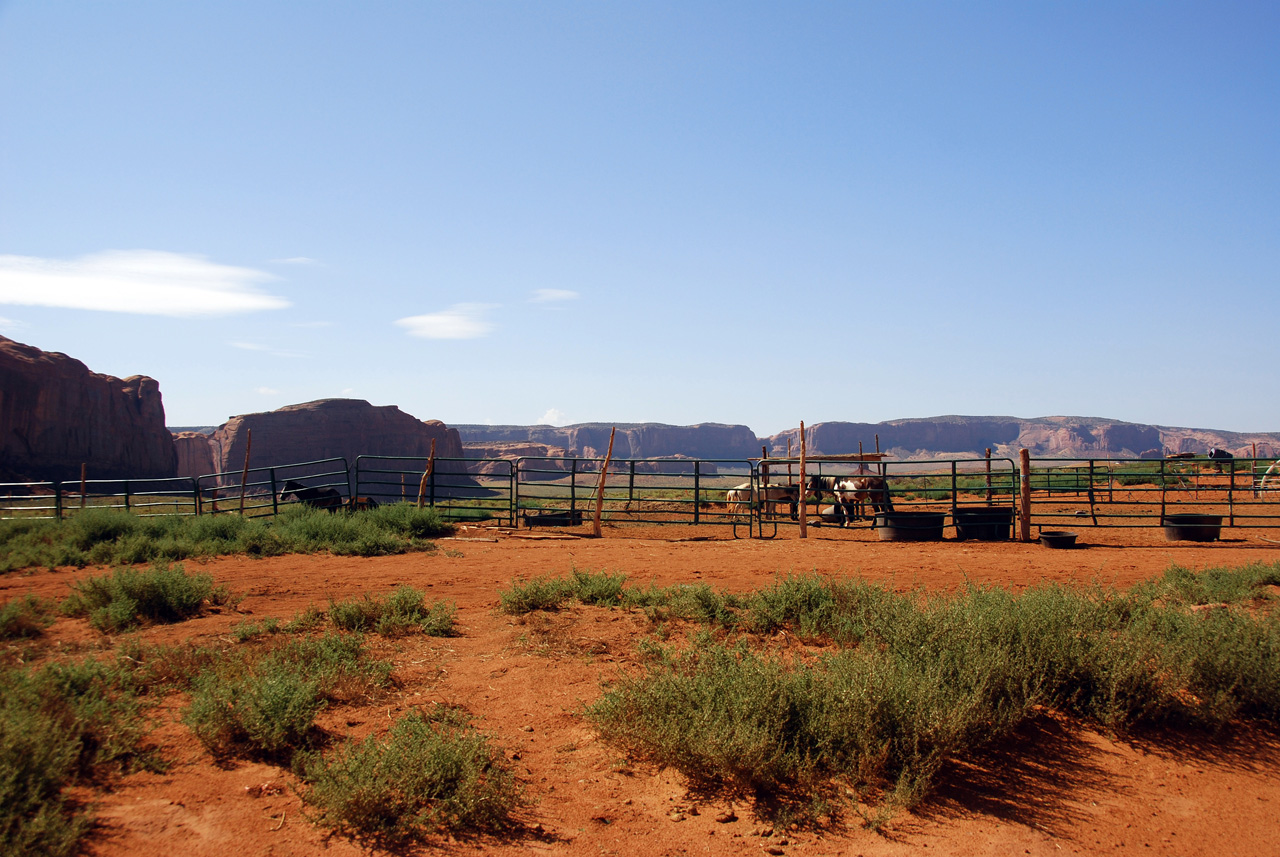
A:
(984, 523)
(909, 526)
(1189, 527)
(553, 518)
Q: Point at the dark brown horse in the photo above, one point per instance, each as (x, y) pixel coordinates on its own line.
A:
(329, 499)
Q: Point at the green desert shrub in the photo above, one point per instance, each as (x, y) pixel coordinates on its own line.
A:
(128, 597)
(402, 612)
(113, 536)
(60, 726)
(268, 712)
(914, 682)
(541, 593)
(423, 778)
(25, 617)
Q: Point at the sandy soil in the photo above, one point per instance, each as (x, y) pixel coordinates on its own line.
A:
(1059, 788)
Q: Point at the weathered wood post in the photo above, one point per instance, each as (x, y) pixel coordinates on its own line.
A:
(244, 474)
(1024, 510)
(988, 476)
(84, 474)
(804, 489)
(426, 474)
(604, 474)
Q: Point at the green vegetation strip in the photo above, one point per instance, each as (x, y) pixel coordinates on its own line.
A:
(107, 536)
(893, 686)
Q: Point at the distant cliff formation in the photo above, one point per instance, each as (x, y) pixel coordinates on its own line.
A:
(1045, 437)
(704, 441)
(911, 439)
(311, 431)
(55, 414)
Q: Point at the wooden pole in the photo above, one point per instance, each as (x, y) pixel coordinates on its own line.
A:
(84, 472)
(426, 474)
(804, 489)
(1024, 506)
(988, 476)
(604, 474)
(244, 474)
(789, 453)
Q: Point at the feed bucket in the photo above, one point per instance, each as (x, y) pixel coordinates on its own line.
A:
(1057, 539)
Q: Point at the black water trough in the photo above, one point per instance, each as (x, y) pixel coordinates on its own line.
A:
(1057, 539)
(909, 526)
(1192, 527)
(984, 523)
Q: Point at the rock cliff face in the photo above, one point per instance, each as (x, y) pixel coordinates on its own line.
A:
(329, 428)
(55, 414)
(1045, 437)
(195, 453)
(636, 440)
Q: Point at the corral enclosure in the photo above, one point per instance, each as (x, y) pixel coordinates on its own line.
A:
(561, 491)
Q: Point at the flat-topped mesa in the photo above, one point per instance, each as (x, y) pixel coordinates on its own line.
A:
(329, 428)
(56, 414)
(705, 441)
(1045, 437)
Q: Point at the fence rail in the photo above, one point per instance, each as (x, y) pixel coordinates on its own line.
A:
(534, 491)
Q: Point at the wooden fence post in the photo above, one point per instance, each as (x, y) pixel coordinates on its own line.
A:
(1024, 506)
(84, 472)
(804, 489)
(244, 474)
(426, 474)
(604, 473)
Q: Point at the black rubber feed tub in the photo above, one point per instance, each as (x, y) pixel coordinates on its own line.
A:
(984, 523)
(1057, 539)
(910, 526)
(1192, 528)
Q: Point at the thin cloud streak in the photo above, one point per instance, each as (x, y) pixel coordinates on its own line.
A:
(143, 282)
(460, 321)
(542, 296)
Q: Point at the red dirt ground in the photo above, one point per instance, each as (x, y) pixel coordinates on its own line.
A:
(1060, 788)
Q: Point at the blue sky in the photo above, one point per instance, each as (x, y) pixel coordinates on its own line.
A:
(738, 212)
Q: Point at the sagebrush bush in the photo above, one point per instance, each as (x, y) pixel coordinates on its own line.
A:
(423, 778)
(60, 726)
(103, 536)
(268, 712)
(25, 617)
(913, 682)
(404, 611)
(128, 597)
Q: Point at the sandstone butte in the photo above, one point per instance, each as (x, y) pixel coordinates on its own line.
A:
(56, 414)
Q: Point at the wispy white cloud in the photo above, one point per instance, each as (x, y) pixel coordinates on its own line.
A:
(11, 325)
(268, 391)
(147, 282)
(542, 296)
(265, 349)
(460, 321)
(553, 417)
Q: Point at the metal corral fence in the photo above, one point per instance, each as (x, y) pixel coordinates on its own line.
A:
(460, 488)
(562, 491)
(1245, 492)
